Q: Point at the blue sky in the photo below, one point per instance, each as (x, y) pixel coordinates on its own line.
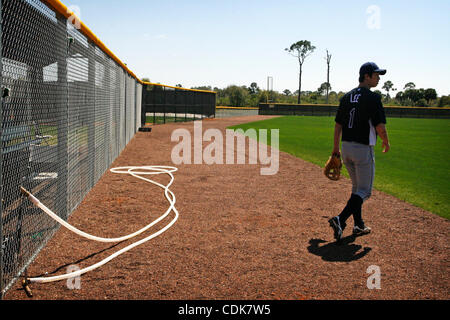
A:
(219, 43)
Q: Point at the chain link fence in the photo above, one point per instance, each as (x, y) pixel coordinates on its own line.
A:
(228, 112)
(67, 111)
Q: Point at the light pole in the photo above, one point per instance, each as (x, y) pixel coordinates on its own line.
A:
(269, 87)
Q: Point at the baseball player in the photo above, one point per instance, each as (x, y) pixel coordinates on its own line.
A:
(359, 120)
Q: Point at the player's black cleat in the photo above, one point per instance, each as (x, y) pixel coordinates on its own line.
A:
(335, 224)
(358, 231)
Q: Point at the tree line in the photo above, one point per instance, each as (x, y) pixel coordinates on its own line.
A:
(253, 95)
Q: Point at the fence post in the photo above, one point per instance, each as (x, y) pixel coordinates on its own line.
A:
(1, 161)
(91, 118)
(175, 104)
(135, 108)
(118, 95)
(107, 123)
(215, 103)
(144, 106)
(125, 120)
(63, 127)
(194, 105)
(165, 104)
(153, 104)
(185, 95)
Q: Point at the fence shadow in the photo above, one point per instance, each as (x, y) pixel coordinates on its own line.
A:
(78, 261)
(343, 251)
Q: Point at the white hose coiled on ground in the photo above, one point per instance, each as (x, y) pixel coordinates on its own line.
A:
(136, 172)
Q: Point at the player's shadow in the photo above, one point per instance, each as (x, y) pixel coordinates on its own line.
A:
(343, 251)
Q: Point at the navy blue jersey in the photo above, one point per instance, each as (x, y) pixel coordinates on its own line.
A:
(359, 112)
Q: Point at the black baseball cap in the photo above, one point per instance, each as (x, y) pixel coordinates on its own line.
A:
(371, 67)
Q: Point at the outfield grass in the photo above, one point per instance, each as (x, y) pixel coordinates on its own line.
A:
(416, 169)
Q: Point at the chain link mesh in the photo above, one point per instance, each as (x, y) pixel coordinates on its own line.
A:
(67, 112)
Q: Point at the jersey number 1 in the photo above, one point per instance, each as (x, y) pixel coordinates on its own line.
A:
(352, 118)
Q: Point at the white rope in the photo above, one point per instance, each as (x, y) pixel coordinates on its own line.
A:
(136, 172)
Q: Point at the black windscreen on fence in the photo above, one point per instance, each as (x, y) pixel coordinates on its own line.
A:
(330, 110)
(67, 111)
(161, 104)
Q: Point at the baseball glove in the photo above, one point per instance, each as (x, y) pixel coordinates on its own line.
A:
(333, 167)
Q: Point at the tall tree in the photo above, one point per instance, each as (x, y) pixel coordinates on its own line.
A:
(430, 94)
(324, 87)
(400, 97)
(388, 86)
(328, 74)
(253, 89)
(414, 95)
(409, 85)
(237, 95)
(444, 101)
(300, 50)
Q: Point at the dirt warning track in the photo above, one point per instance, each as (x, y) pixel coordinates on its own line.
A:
(242, 235)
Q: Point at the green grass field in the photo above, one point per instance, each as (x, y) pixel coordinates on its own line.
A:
(416, 169)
